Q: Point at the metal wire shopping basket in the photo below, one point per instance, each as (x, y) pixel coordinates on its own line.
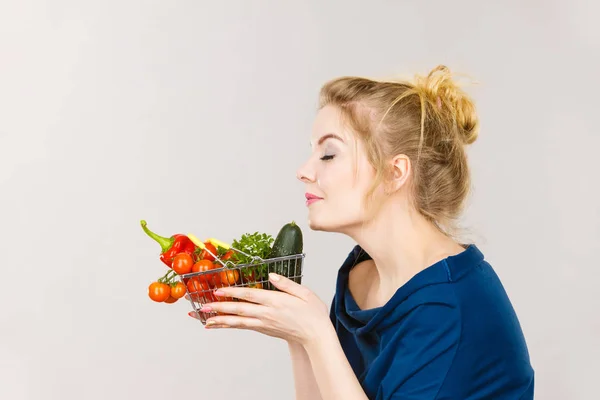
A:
(201, 285)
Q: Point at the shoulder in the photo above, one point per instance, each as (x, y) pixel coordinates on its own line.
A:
(360, 280)
(432, 314)
(432, 309)
(353, 268)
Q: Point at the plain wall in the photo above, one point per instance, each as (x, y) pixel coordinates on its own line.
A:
(188, 113)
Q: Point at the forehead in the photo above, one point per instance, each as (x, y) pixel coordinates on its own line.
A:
(328, 123)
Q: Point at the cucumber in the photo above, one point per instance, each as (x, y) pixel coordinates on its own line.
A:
(288, 242)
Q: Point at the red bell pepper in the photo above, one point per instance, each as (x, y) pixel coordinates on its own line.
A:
(172, 246)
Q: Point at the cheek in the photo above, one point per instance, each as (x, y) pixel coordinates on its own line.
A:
(344, 189)
(335, 179)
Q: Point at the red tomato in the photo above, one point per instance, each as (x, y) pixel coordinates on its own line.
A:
(230, 277)
(171, 300)
(182, 263)
(205, 255)
(256, 285)
(194, 285)
(214, 279)
(203, 266)
(200, 291)
(159, 292)
(178, 291)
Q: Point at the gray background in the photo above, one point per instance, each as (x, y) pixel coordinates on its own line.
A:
(173, 111)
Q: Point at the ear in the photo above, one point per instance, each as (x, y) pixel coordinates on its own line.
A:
(400, 170)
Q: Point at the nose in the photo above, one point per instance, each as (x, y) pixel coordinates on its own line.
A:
(305, 173)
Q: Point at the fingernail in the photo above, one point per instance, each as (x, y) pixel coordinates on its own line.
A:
(273, 277)
(210, 322)
(219, 292)
(192, 314)
(206, 309)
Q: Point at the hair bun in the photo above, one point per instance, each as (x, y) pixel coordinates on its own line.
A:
(451, 101)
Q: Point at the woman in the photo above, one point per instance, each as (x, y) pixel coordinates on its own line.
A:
(417, 314)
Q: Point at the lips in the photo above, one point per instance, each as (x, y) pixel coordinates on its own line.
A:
(311, 198)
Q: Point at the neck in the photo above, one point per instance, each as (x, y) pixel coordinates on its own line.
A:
(401, 243)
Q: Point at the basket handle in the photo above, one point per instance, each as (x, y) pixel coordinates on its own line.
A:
(196, 241)
(213, 241)
(218, 243)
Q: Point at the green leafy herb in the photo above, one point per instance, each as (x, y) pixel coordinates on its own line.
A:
(221, 251)
(254, 244)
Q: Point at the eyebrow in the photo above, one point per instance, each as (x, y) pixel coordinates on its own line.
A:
(328, 136)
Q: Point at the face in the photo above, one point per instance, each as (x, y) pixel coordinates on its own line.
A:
(337, 175)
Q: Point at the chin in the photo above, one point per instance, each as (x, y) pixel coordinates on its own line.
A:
(318, 224)
(315, 223)
(315, 226)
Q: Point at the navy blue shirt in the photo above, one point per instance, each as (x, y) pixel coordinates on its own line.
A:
(448, 333)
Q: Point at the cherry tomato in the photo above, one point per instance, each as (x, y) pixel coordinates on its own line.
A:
(229, 254)
(195, 297)
(205, 255)
(256, 285)
(213, 280)
(182, 263)
(178, 291)
(200, 291)
(194, 285)
(159, 292)
(203, 266)
(230, 277)
(171, 300)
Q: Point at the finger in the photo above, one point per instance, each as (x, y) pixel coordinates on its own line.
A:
(193, 314)
(252, 295)
(240, 308)
(215, 326)
(233, 321)
(287, 285)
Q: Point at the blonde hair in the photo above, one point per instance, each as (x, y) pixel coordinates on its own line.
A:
(429, 119)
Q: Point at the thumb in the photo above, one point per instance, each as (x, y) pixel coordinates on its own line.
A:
(287, 285)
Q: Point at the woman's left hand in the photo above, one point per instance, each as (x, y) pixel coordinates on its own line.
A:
(294, 314)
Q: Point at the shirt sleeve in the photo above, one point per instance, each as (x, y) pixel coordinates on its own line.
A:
(423, 353)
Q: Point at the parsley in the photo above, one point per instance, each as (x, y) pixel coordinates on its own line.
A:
(221, 251)
(255, 244)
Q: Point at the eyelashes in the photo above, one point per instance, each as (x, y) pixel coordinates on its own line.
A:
(327, 158)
